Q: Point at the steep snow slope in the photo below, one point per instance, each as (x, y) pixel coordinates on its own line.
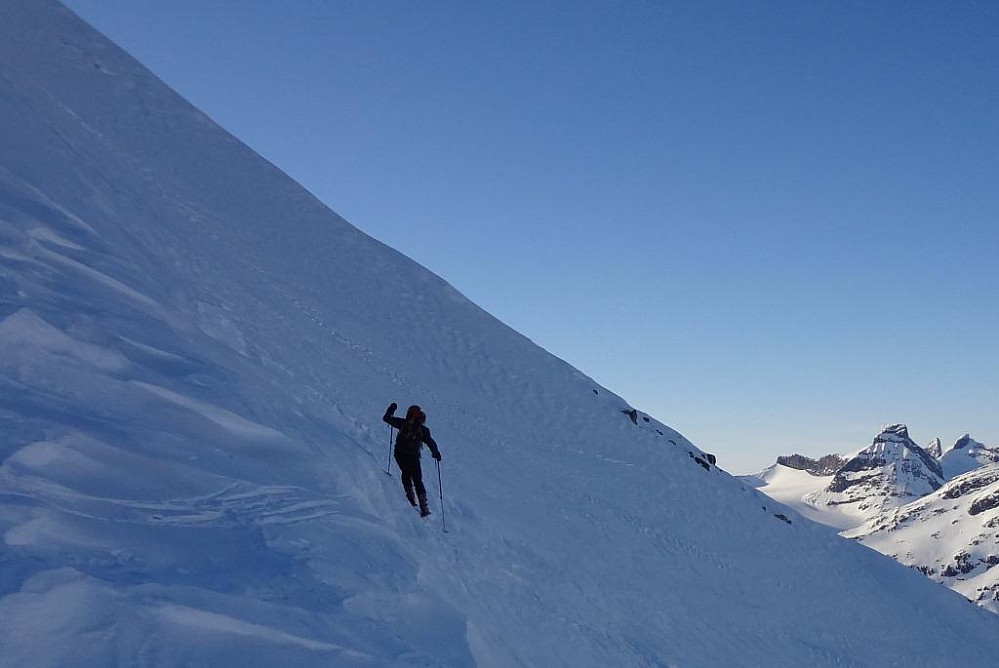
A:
(196, 354)
(951, 535)
(889, 473)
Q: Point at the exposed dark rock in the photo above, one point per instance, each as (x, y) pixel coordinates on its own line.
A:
(990, 593)
(826, 465)
(632, 413)
(966, 486)
(897, 430)
(782, 517)
(987, 502)
(963, 442)
(697, 458)
(964, 564)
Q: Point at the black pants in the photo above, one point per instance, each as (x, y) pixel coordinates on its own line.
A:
(412, 474)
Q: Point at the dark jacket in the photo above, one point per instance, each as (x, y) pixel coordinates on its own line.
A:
(411, 436)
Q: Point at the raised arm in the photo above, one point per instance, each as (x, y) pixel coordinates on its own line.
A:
(390, 418)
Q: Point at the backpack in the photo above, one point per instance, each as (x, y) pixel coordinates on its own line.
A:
(413, 429)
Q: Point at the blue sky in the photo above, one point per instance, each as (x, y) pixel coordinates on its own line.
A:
(771, 225)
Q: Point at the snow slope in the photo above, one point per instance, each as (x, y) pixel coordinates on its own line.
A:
(196, 354)
(951, 535)
(792, 486)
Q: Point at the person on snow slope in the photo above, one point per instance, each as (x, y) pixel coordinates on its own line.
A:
(413, 433)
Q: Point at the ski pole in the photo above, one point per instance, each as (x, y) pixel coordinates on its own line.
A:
(440, 486)
(388, 464)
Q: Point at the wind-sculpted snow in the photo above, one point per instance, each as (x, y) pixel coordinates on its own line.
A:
(195, 358)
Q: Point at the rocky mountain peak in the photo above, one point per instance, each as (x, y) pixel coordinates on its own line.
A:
(966, 455)
(893, 433)
(892, 471)
(935, 448)
(964, 442)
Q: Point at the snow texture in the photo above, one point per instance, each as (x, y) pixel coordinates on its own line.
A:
(196, 356)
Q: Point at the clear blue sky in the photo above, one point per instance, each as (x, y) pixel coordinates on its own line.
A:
(772, 225)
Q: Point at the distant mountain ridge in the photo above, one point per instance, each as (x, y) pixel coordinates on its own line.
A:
(933, 509)
(890, 472)
(826, 465)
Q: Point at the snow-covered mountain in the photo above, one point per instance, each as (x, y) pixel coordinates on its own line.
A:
(951, 535)
(934, 448)
(966, 455)
(846, 491)
(890, 472)
(196, 355)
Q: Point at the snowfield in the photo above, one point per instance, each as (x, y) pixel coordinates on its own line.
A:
(792, 487)
(196, 354)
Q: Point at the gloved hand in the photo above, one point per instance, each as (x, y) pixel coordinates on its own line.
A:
(392, 407)
(437, 455)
